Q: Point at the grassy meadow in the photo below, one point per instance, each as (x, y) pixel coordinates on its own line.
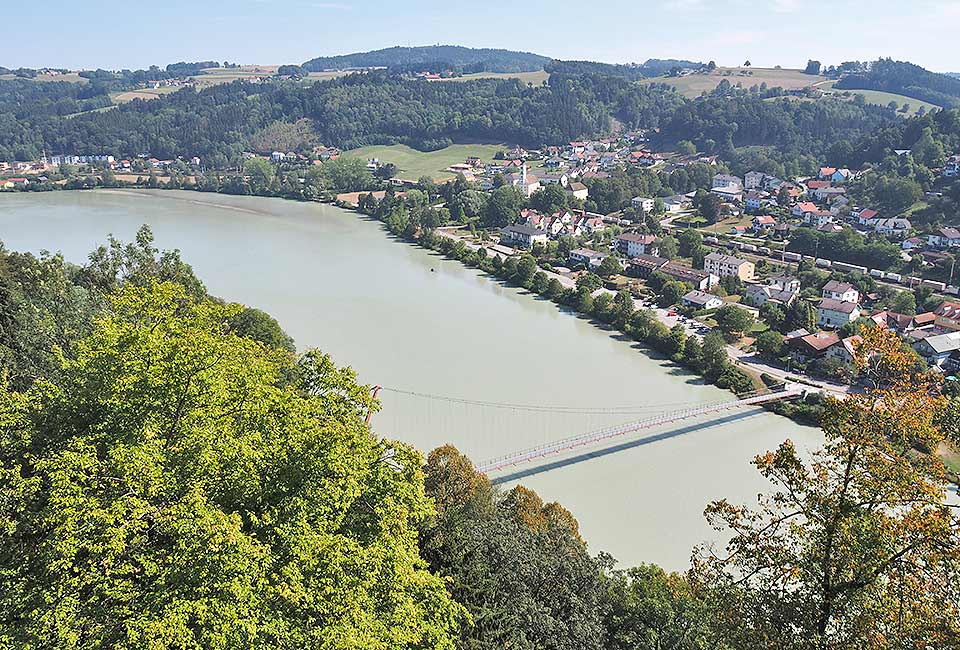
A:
(413, 164)
(695, 84)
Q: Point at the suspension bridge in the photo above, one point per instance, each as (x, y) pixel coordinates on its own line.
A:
(644, 417)
(539, 452)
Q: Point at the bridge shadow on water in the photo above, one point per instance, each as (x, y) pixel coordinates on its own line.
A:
(624, 446)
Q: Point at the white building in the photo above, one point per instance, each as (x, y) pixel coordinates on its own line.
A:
(835, 313)
(522, 236)
(728, 265)
(632, 244)
(727, 181)
(643, 203)
(701, 300)
(842, 291)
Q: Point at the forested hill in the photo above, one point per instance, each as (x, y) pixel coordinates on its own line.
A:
(483, 59)
(907, 79)
(220, 123)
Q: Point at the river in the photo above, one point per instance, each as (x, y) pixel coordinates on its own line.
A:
(411, 321)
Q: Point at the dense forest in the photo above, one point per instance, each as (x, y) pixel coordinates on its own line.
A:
(904, 78)
(373, 108)
(219, 123)
(474, 59)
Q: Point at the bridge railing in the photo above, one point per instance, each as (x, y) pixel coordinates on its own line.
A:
(547, 449)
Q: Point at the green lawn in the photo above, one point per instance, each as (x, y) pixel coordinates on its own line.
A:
(724, 225)
(413, 164)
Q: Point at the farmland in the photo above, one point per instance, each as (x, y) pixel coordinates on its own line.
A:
(73, 77)
(413, 164)
(143, 93)
(695, 84)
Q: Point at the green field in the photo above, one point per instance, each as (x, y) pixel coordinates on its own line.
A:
(695, 84)
(536, 78)
(413, 164)
(143, 93)
(72, 77)
(882, 98)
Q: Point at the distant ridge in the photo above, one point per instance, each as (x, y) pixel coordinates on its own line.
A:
(482, 59)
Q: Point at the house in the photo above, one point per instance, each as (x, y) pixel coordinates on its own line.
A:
(764, 222)
(842, 291)
(826, 173)
(936, 350)
(903, 323)
(947, 315)
(728, 182)
(802, 208)
(911, 243)
(753, 180)
(643, 203)
(677, 203)
(893, 228)
(554, 178)
(829, 194)
(952, 168)
(841, 176)
(759, 295)
(522, 236)
(701, 300)
(729, 194)
(15, 183)
(818, 218)
(944, 238)
(728, 265)
(835, 313)
(633, 244)
(811, 346)
(846, 350)
(761, 181)
(589, 258)
(578, 191)
(784, 283)
(864, 216)
(753, 200)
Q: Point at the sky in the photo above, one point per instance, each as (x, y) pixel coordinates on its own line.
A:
(112, 35)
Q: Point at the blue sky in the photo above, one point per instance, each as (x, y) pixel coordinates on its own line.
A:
(98, 33)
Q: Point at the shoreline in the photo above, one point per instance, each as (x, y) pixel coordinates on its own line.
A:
(649, 350)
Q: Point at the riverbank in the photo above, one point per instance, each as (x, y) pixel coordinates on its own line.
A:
(484, 366)
(709, 358)
(736, 374)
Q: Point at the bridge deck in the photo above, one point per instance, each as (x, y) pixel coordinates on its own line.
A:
(596, 437)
